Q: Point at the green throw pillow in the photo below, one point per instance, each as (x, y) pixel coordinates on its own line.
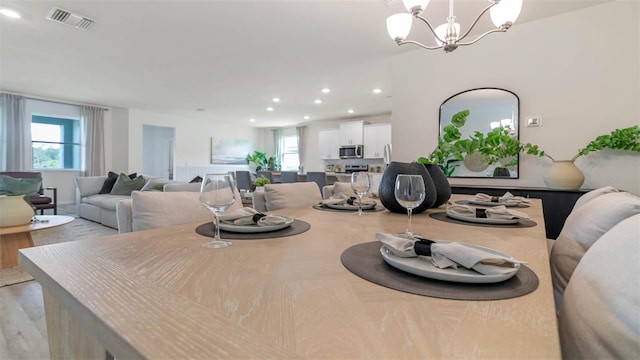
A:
(16, 186)
(124, 185)
(155, 185)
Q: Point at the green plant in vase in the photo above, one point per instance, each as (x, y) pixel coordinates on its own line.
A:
(259, 159)
(261, 181)
(446, 154)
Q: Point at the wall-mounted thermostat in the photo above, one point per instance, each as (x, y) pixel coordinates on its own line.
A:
(534, 121)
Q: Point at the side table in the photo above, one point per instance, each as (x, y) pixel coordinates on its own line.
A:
(17, 237)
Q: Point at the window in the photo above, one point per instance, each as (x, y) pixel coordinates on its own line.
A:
(290, 160)
(55, 142)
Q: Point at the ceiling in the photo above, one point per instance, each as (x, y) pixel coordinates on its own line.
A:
(223, 60)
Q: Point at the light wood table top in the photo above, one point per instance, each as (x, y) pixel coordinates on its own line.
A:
(158, 294)
(46, 221)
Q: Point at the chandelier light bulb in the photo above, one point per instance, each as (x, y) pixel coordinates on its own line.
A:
(399, 25)
(506, 12)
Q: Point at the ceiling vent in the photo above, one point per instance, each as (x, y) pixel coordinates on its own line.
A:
(65, 17)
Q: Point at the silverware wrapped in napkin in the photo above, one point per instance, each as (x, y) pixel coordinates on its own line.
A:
(251, 216)
(496, 212)
(343, 199)
(506, 199)
(448, 254)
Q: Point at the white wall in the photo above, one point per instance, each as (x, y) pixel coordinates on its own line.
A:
(579, 71)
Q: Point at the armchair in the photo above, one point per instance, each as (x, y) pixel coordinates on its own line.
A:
(39, 200)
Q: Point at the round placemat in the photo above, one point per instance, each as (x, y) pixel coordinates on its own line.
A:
(442, 216)
(466, 202)
(378, 207)
(365, 261)
(296, 227)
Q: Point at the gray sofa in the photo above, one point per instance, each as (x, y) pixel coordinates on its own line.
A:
(101, 208)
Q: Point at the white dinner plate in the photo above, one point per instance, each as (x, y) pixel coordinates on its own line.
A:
(365, 206)
(489, 203)
(422, 266)
(483, 220)
(255, 228)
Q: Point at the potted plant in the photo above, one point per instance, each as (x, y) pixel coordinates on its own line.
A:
(259, 159)
(446, 154)
(261, 181)
(564, 175)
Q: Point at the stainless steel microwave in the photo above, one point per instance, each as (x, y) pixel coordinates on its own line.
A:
(351, 152)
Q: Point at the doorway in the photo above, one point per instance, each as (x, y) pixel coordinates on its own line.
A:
(158, 151)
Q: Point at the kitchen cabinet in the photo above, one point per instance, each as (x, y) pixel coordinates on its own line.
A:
(329, 144)
(351, 133)
(375, 138)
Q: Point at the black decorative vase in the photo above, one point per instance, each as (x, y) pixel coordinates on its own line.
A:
(388, 182)
(443, 188)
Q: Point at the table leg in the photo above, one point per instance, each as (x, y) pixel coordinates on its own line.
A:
(67, 338)
(9, 245)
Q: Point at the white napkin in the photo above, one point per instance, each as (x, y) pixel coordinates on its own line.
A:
(451, 254)
(506, 199)
(244, 216)
(341, 199)
(495, 212)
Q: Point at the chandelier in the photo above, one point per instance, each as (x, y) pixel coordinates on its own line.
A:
(503, 14)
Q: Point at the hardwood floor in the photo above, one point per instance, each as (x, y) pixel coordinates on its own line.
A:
(22, 322)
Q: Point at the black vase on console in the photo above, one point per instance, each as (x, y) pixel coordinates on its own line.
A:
(387, 185)
(443, 188)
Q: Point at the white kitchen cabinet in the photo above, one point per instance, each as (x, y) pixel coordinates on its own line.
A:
(376, 136)
(351, 133)
(329, 144)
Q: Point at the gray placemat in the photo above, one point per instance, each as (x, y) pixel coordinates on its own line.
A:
(296, 227)
(378, 207)
(365, 261)
(442, 216)
(466, 202)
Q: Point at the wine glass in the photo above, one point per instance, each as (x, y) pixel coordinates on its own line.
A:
(410, 193)
(360, 183)
(217, 193)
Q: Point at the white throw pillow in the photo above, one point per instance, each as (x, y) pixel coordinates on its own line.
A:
(290, 195)
(150, 209)
(592, 195)
(343, 187)
(583, 227)
(600, 311)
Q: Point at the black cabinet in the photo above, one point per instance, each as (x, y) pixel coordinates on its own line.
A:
(556, 204)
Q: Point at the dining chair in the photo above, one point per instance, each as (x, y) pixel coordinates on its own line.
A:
(39, 200)
(288, 177)
(599, 311)
(319, 177)
(281, 196)
(266, 174)
(243, 180)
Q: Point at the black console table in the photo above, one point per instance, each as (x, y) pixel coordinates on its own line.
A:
(556, 204)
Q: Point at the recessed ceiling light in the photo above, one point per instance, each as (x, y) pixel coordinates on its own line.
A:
(377, 91)
(317, 101)
(269, 109)
(201, 109)
(307, 117)
(252, 120)
(326, 90)
(350, 111)
(10, 13)
(275, 99)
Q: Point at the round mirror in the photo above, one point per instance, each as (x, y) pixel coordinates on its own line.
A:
(493, 121)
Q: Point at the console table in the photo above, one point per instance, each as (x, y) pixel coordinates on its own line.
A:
(556, 204)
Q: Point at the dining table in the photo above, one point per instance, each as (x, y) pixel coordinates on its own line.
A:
(157, 294)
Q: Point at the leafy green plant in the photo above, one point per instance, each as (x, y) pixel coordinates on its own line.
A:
(261, 181)
(446, 154)
(259, 159)
(619, 139)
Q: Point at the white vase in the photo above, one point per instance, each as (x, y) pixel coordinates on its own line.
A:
(14, 211)
(475, 162)
(564, 175)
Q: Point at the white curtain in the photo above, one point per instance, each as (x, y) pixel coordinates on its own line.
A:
(300, 131)
(15, 134)
(277, 144)
(92, 118)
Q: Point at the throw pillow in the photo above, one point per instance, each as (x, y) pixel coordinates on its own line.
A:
(155, 185)
(196, 179)
(19, 186)
(125, 185)
(107, 186)
(299, 194)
